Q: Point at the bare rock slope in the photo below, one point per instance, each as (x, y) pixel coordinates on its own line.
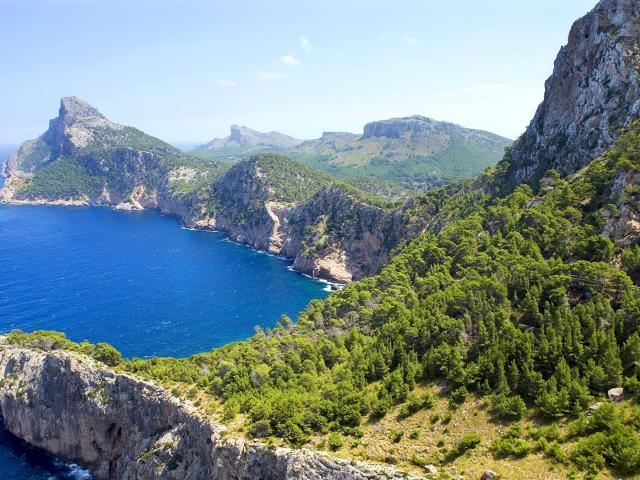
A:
(591, 97)
(120, 427)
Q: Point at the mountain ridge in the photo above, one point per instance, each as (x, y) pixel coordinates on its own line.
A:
(85, 159)
(411, 152)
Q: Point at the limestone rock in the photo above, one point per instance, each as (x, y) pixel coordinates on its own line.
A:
(616, 394)
(488, 475)
(593, 93)
(123, 428)
(430, 469)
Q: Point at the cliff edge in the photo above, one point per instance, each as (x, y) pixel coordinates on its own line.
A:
(120, 427)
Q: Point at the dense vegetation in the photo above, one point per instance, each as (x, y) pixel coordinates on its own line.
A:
(516, 298)
(64, 178)
(389, 166)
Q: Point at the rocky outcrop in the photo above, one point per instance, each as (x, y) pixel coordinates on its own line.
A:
(267, 202)
(120, 427)
(337, 236)
(420, 129)
(591, 97)
(622, 217)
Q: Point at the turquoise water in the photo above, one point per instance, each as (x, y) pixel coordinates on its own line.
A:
(136, 280)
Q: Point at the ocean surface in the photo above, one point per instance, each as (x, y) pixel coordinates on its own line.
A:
(136, 280)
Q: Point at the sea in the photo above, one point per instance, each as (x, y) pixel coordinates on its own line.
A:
(137, 280)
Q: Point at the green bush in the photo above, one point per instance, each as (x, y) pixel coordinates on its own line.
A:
(468, 442)
(106, 354)
(458, 396)
(335, 442)
(511, 444)
(508, 407)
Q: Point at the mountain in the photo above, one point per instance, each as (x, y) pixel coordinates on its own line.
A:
(268, 201)
(504, 336)
(497, 333)
(592, 96)
(412, 153)
(85, 158)
(415, 152)
(243, 141)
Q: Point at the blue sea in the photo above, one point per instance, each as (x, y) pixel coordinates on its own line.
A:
(136, 280)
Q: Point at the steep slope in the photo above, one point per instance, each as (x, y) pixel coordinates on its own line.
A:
(591, 97)
(84, 158)
(328, 228)
(412, 153)
(517, 310)
(123, 428)
(500, 336)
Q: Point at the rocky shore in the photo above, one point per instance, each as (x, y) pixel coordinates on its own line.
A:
(120, 427)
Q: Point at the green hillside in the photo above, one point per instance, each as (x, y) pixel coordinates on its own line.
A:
(393, 158)
(516, 308)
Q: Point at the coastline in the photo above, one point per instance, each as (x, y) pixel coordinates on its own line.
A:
(333, 284)
(128, 427)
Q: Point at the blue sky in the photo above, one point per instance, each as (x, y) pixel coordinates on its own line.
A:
(186, 70)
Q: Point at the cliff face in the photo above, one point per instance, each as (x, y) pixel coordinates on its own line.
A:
(329, 234)
(85, 159)
(591, 97)
(123, 428)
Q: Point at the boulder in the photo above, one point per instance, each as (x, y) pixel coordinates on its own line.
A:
(616, 394)
(488, 475)
(430, 469)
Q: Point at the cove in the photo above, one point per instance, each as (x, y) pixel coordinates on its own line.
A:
(135, 280)
(138, 281)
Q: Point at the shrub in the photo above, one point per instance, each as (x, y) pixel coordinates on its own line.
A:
(468, 442)
(413, 405)
(428, 400)
(511, 447)
(106, 354)
(260, 429)
(458, 396)
(335, 442)
(511, 444)
(508, 407)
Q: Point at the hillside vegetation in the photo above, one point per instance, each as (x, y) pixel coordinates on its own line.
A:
(519, 311)
(393, 158)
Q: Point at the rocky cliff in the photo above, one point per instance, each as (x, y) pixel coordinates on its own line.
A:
(591, 97)
(85, 159)
(280, 206)
(120, 427)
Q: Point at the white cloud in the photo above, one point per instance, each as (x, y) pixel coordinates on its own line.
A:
(271, 76)
(410, 39)
(226, 83)
(289, 60)
(305, 44)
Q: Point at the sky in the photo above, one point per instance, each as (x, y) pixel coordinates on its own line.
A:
(185, 70)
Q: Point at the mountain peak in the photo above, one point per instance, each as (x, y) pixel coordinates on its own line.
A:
(396, 127)
(247, 138)
(74, 109)
(592, 95)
